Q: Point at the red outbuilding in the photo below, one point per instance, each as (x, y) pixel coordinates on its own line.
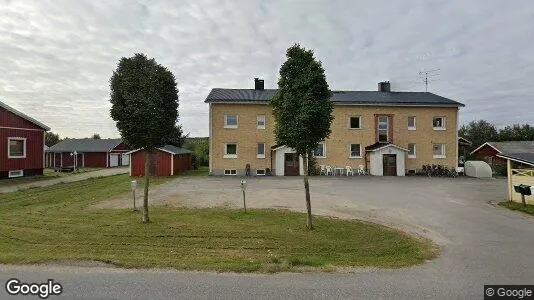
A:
(489, 150)
(166, 161)
(22, 144)
(92, 153)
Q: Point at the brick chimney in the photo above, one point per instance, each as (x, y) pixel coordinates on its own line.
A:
(384, 86)
(259, 84)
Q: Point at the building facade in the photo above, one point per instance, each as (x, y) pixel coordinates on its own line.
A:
(88, 153)
(22, 144)
(384, 132)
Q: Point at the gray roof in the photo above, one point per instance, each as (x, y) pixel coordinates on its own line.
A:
(168, 148)
(85, 145)
(24, 116)
(526, 158)
(513, 146)
(175, 150)
(218, 95)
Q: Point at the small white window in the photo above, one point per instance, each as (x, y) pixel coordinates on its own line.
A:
(232, 172)
(230, 121)
(17, 173)
(411, 123)
(260, 121)
(16, 147)
(230, 150)
(260, 172)
(411, 150)
(320, 151)
(260, 153)
(355, 122)
(355, 150)
(438, 123)
(438, 150)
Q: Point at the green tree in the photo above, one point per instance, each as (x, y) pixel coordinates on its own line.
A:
(478, 132)
(96, 136)
(51, 138)
(144, 100)
(517, 132)
(302, 109)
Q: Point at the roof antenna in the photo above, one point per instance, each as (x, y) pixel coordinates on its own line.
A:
(429, 76)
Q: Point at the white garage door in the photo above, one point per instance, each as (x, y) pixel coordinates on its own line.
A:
(113, 160)
(125, 159)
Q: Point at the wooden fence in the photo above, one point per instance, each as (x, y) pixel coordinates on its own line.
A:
(520, 176)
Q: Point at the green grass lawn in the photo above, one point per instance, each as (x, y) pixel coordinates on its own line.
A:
(529, 209)
(55, 223)
(47, 174)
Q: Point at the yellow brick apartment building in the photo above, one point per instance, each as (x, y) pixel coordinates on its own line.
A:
(385, 132)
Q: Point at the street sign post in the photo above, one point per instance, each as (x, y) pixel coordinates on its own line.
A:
(134, 186)
(244, 188)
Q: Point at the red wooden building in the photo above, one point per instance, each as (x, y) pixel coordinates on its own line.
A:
(489, 150)
(93, 153)
(166, 161)
(22, 144)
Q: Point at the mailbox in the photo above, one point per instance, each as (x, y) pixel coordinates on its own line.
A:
(243, 185)
(523, 189)
(134, 185)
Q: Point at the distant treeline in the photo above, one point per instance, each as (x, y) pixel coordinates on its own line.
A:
(479, 132)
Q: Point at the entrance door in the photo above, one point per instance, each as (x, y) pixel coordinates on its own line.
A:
(114, 160)
(291, 164)
(125, 159)
(390, 164)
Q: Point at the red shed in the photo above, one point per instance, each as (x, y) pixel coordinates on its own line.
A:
(166, 161)
(489, 150)
(95, 153)
(22, 144)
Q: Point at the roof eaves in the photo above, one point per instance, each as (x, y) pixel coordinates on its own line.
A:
(24, 116)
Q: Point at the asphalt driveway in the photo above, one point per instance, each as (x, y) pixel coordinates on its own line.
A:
(70, 178)
(480, 243)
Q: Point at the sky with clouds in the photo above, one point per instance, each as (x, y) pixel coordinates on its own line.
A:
(56, 56)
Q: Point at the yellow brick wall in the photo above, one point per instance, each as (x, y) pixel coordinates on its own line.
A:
(337, 145)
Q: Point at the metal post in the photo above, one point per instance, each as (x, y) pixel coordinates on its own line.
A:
(244, 203)
(134, 185)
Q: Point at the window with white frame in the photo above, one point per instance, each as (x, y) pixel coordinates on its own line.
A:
(383, 129)
(230, 172)
(411, 123)
(230, 150)
(411, 150)
(16, 173)
(260, 153)
(260, 172)
(355, 150)
(230, 121)
(438, 150)
(320, 151)
(260, 121)
(438, 123)
(355, 122)
(16, 147)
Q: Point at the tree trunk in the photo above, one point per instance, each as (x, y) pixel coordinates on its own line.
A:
(148, 167)
(309, 222)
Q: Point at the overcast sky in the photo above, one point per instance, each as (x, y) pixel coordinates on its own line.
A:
(56, 57)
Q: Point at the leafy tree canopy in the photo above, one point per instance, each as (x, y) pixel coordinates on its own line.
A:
(481, 131)
(301, 107)
(96, 136)
(51, 138)
(144, 100)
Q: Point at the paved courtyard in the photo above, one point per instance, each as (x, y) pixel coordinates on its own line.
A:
(480, 243)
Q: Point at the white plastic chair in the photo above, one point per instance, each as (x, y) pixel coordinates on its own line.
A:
(323, 170)
(349, 171)
(361, 170)
(329, 170)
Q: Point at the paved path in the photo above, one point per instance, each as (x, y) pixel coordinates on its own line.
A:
(480, 243)
(69, 178)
